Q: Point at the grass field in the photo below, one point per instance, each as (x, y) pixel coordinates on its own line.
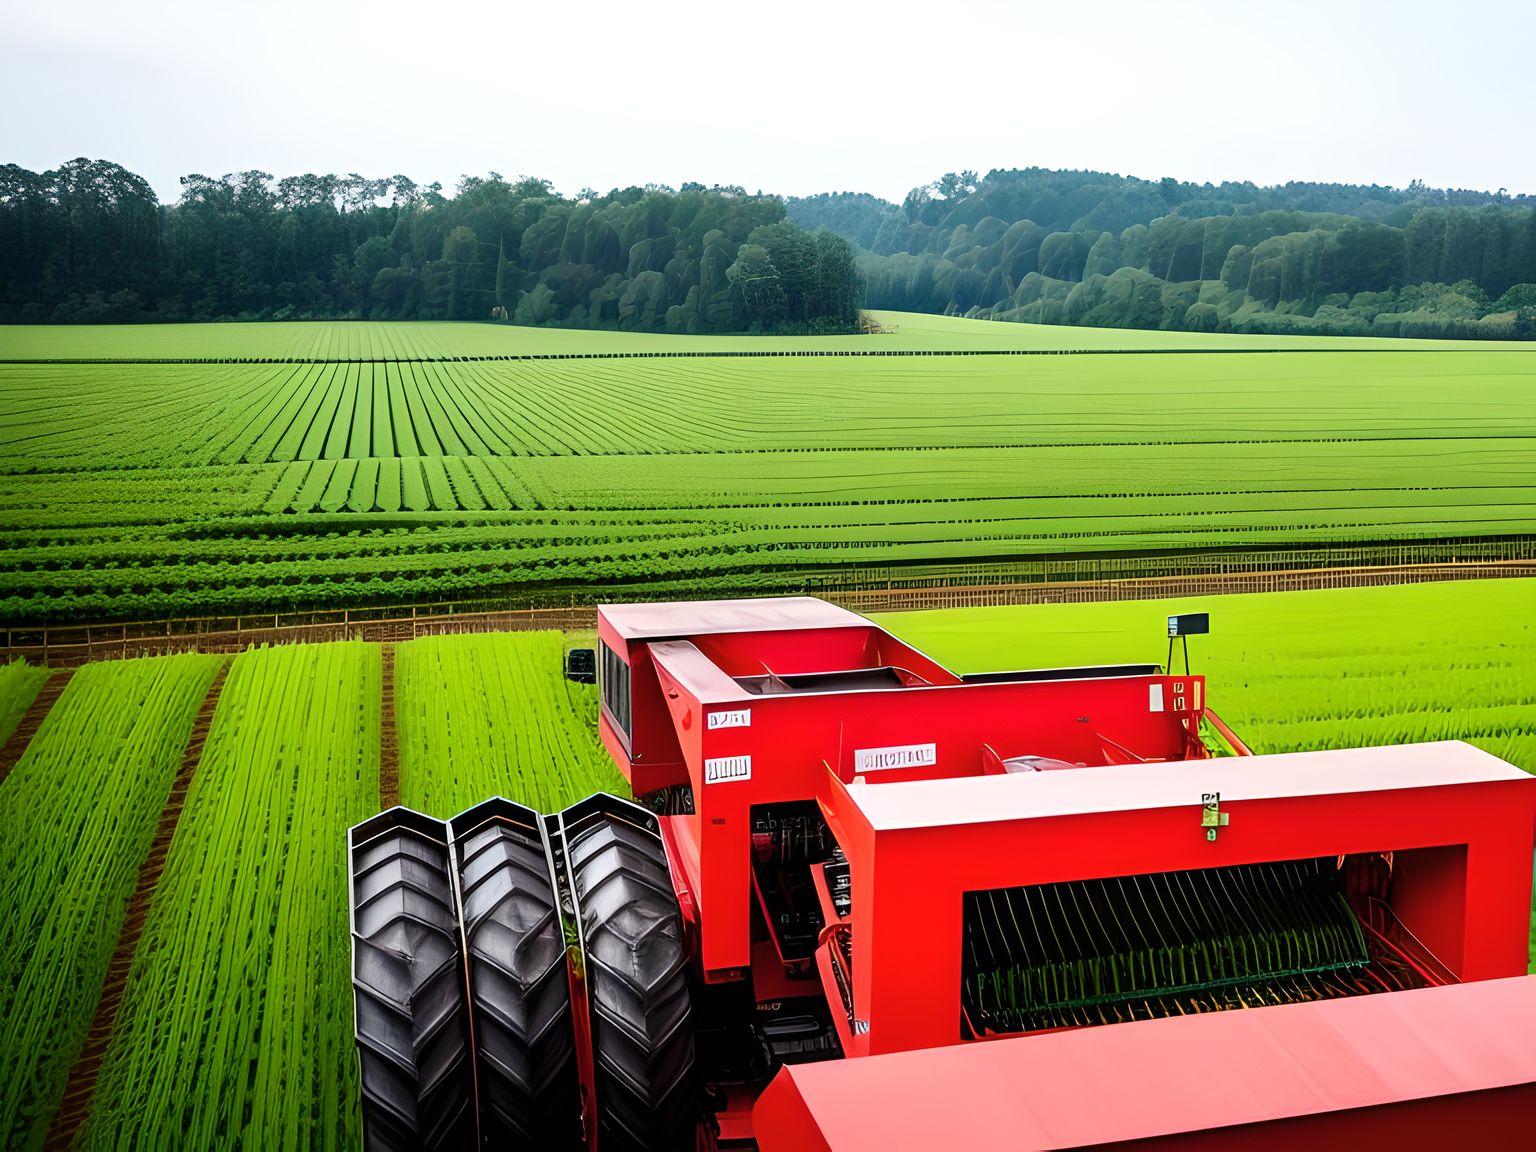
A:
(235, 1028)
(142, 490)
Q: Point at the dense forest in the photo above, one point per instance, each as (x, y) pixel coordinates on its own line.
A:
(1091, 248)
(90, 242)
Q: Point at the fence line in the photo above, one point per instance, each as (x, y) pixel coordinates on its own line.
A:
(833, 584)
(727, 353)
(67, 647)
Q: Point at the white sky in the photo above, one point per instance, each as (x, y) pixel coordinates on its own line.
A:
(781, 95)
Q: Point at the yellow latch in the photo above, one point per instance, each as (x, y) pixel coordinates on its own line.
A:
(1212, 817)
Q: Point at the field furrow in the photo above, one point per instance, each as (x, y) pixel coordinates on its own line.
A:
(237, 1005)
(76, 819)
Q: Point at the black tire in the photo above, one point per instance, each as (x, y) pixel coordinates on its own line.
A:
(519, 991)
(408, 987)
(637, 980)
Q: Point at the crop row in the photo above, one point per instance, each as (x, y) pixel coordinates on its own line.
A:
(251, 583)
(491, 715)
(111, 416)
(372, 492)
(76, 819)
(235, 1029)
(193, 488)
(19, 684)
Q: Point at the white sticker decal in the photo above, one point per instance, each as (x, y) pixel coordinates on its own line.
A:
(741, 719)
(727, 769)
(1155, 698)
(899, 756)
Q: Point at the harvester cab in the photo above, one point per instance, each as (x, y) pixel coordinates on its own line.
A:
(847, 858)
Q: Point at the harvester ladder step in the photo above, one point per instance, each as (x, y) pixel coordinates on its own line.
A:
(81, 1084)
(32, 720)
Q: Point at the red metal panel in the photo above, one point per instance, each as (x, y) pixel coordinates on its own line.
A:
(930, 827)
(1402, 1068)
(703, 617)
(944, 803)
(907, 924)
(787, 740)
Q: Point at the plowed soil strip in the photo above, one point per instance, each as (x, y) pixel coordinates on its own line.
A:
(389, 752)
(80, 1086)
(32, 720)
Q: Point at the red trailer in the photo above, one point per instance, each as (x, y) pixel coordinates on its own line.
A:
(855, 875)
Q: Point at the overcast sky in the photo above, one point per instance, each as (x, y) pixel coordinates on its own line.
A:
(784, 96)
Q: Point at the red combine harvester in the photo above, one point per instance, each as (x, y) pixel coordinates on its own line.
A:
(867, 903)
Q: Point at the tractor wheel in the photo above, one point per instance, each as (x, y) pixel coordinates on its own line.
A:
(520, 997)
(408, 987)
(637, 985)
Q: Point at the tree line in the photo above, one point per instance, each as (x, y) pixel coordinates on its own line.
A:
(1077, 247)
(89, 242)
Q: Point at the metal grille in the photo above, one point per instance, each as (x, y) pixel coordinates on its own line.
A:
(1130, 947)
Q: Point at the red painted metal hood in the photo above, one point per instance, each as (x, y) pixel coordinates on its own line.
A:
(710, 617)
(1410, 1056)
(1133, 787)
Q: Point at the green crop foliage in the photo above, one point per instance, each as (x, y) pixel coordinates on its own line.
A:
(147, 490)
(236, 1027)
(77, 816)
(19, 685)
(492, 715)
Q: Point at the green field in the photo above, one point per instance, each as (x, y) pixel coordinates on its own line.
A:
(483, 716)
(235, 1028)
(235, 1025)
(76, 818)
(371, 339)
(142, 490)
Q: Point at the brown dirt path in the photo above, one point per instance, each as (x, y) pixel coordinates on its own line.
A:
(389, 752)
(32, 720)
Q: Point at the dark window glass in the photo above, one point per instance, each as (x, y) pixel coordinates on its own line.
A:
(614, 685)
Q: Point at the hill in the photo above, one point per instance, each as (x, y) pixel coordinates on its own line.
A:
(89, 243)
(1092, 248)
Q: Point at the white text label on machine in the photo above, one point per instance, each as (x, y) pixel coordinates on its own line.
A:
(739, 718)
(727, 769)
(899, 756)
